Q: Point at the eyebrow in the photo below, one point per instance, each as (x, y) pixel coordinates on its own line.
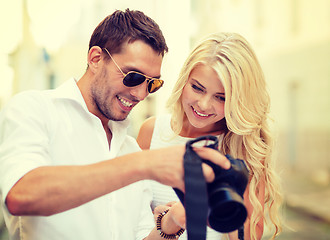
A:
(201, 86)
(129, 69)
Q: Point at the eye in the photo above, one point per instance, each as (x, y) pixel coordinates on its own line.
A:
(220, 98)
(196, 88)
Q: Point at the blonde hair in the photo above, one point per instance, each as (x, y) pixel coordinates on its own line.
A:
(246, 121)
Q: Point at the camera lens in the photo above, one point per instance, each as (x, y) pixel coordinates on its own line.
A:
(227, 211)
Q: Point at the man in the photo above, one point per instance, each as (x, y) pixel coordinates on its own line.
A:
(67, 168)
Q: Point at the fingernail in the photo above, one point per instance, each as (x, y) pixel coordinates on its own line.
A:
(227, 165)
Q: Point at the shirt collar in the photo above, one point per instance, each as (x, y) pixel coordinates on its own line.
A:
(69, 90)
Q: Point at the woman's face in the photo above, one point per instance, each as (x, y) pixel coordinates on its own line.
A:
(203, 100)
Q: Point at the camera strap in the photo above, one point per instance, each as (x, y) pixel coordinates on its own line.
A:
(195, 199)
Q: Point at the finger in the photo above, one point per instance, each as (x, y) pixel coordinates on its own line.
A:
(178, 214)
(208, 173)
(170, 204)
(159, 209)
(214, 156)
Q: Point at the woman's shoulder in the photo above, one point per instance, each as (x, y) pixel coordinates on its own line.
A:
(148, 125)
(145, 133)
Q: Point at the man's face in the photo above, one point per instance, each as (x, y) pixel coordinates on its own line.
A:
(112, 98)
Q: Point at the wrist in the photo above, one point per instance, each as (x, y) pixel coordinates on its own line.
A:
(167, 230)
(142, 168)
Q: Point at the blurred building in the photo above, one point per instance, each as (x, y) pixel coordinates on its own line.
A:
(45, 42)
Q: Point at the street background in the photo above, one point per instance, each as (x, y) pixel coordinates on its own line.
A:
(44, 42)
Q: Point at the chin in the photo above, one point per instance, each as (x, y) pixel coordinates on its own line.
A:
(117, 119)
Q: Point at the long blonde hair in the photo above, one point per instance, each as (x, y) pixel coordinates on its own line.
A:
(246, 121)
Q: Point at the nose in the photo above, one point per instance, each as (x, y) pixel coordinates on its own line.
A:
(140, 92)
(204, 103)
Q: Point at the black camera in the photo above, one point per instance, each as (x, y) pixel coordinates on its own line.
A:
(226, 210)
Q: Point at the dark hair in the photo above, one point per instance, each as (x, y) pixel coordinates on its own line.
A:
(128, 26)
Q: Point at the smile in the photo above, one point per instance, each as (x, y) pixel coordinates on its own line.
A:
(125, 102)
(200, 114)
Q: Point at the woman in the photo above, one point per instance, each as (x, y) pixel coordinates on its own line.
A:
(221, 91)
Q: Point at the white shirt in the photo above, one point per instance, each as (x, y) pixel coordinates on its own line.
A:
(54, 127)
(163, 136)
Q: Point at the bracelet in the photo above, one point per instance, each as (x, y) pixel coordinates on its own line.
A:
(161, 233)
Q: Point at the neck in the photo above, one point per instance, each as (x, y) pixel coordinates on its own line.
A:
(84, 86)
(190, 131)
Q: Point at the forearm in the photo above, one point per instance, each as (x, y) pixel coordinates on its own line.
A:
(50, 190)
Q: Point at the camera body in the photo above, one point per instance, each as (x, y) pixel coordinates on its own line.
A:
(226, 209)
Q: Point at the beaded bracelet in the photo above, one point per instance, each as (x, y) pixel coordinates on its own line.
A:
(161, 233)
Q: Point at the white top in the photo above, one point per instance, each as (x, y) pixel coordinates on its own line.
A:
(164, 136)
(54, 127)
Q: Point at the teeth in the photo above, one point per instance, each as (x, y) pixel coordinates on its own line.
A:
(200, 114)
(124, 102)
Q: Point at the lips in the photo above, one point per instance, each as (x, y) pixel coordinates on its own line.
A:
(199, 114)
(125, 104)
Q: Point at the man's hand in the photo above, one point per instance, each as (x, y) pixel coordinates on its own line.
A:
(165, 165)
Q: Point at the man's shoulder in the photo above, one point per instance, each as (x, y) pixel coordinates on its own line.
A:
(26, 99)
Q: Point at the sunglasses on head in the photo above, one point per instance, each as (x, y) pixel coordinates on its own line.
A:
(132, 78)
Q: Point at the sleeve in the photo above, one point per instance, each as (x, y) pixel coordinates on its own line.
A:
(146, 223)
(24, 138)
(146, 218)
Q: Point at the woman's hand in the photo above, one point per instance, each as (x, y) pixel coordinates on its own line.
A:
(174, 218)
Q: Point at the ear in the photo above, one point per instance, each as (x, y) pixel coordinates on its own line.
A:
(94, 57)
